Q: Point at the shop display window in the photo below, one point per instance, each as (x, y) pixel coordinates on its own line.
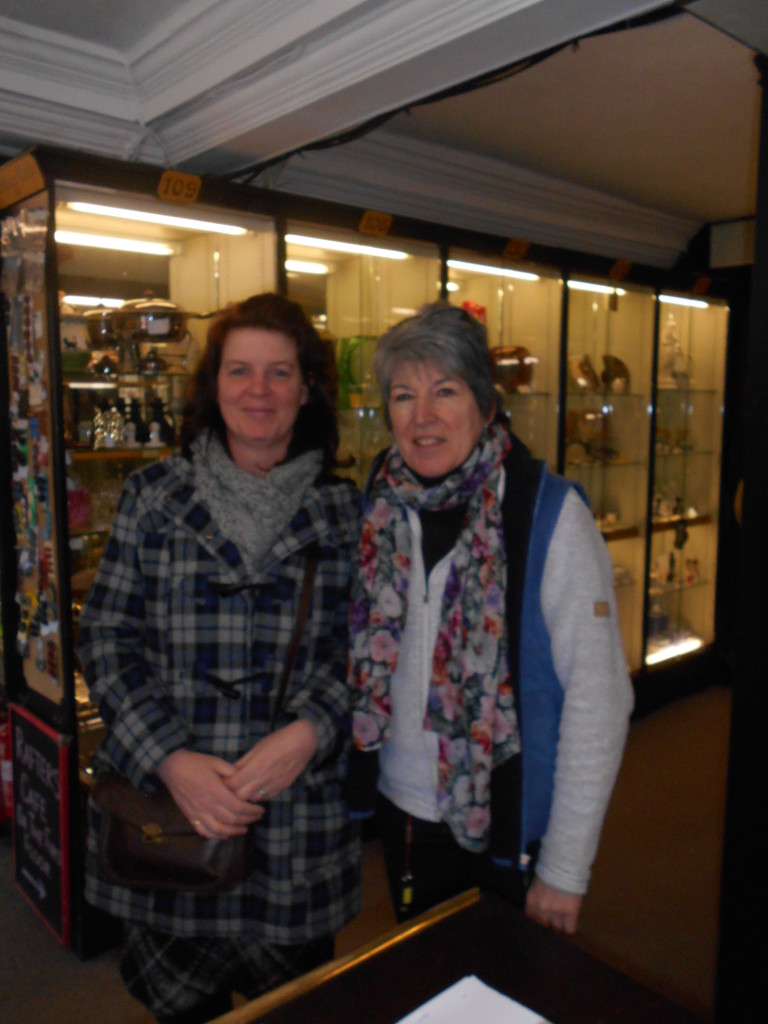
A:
(686, 476)
(355, 288)
(138, 283)
(607, 429)
(521, 308)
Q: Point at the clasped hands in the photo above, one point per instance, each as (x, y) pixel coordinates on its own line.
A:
(221, 799)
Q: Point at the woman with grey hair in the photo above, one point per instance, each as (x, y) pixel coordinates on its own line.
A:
(491, 692)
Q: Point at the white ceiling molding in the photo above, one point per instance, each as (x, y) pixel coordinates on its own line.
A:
(217, 86)
(437, 183)
(236, 68)
(398, 54)
(40, 65)
(234, 38)
(83, 131)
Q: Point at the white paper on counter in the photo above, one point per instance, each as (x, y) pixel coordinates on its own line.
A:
(472, 1000)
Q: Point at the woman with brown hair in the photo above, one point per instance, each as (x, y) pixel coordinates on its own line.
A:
(182, 641)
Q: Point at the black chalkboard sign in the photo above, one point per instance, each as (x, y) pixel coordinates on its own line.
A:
(41, 819)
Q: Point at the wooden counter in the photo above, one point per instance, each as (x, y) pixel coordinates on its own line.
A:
(473, 934)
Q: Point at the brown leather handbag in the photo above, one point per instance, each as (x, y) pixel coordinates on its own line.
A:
(145, 841)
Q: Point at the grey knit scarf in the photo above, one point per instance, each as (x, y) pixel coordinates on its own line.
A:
(250, 511)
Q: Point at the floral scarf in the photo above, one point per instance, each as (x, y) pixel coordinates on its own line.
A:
(471, 701)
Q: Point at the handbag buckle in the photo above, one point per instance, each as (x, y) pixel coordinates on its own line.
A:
(152, 833)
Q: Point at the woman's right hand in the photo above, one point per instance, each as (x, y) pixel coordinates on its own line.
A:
(196, 783)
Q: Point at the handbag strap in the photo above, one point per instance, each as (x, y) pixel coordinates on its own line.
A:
(301, 618)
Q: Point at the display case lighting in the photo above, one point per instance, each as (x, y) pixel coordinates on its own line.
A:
(90, 385)
(90, 301)
(679, 300)
(693, 643)
(351, 247)
(599, 289)
(481, 268)
(114, 243)
(305, 267)
(169, 220)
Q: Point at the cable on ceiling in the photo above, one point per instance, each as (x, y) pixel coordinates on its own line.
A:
(246, 175)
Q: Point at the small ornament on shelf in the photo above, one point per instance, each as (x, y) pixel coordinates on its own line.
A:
(583, 374)
(161, 426)
(674, 365)
(615, 375)
(692, 572)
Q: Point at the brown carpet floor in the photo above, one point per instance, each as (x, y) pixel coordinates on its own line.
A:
(651, 912)
(652, 909)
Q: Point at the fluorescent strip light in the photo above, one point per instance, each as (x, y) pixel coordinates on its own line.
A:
(303, 267)
(674, 650)
(600, 289)
(520, 275)
(158, 218)
(110, 242)
(352, 247)
(678, 300)
(92, 300)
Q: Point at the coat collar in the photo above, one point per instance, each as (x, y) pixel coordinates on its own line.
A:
(323, 519)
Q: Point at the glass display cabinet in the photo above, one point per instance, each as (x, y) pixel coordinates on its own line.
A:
(686, 476)
(607, 429)
(521, 308)
(125, 359)
(355, 289)
(106, 298)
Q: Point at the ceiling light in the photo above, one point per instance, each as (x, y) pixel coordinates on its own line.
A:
(158, 218)
(92, 300)
(600, 289)
(352, 247)
(111, 242)
(304, 267)
(678, 300)
(520, 275)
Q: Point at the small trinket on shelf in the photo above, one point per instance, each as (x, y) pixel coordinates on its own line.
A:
(615, 375)
(583, 374)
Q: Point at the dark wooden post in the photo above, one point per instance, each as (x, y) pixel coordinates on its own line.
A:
(743, 948)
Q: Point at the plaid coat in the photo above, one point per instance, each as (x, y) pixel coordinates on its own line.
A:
(180, 647)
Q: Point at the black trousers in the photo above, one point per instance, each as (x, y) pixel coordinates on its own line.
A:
(428, 866)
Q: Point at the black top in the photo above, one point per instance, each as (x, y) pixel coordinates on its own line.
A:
(439, 531)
